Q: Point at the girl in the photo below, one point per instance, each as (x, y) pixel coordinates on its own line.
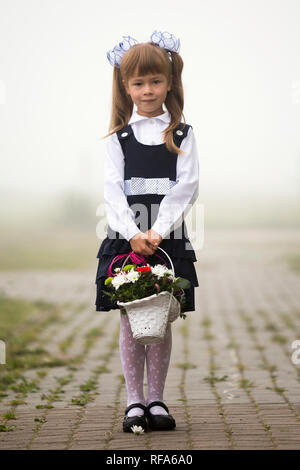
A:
(151, 176)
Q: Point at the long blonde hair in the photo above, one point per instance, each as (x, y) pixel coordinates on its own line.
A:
(147, 58)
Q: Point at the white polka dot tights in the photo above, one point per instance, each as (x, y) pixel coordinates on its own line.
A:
(133, 356)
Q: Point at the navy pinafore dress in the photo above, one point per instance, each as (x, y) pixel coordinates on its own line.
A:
(149, 172)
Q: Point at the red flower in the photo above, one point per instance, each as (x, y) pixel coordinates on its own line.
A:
(144, 268)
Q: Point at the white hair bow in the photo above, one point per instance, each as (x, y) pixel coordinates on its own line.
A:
(164, 40)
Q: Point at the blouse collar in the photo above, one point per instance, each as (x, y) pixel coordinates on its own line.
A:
(135, 117)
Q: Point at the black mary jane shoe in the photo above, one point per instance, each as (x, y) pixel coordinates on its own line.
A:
(130, 421)
(160, 422)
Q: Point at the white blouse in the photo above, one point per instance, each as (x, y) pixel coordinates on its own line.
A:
(179, 198)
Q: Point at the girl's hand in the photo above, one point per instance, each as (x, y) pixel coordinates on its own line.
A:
(154, 238)
(145, 243)
(140, 245)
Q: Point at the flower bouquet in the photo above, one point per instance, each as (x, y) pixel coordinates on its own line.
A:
(151, 296)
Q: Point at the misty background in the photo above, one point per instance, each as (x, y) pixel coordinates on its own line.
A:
(241, 82)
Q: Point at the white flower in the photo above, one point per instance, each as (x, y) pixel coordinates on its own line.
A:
(170, 272)
(117, 270)
(119, 280)
(133, 275)
(159, 270)
(122, 278)
(137, 430)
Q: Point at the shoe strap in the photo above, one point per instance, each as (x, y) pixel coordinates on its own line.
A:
(136, 405)
(158, 403)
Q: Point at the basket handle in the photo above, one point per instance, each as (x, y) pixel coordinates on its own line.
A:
(169, 259)
(135, 258)
(158, 257)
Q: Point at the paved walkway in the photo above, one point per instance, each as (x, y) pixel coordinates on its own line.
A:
(231, 384)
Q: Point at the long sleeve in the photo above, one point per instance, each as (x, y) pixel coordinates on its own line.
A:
(184, 193)
(119, 215)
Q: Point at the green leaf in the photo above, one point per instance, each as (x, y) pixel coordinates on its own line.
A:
(111, 294)
(183, 283)
(128, 267)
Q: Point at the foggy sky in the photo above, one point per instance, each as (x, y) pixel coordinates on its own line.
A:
(241, 81)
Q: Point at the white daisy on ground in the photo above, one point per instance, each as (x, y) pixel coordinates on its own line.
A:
(137, 430)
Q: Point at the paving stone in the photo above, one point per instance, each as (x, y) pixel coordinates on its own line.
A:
(245, 289)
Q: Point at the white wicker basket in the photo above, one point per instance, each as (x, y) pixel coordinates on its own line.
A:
(148, 317)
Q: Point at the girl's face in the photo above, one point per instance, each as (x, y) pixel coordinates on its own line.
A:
(148, 93)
